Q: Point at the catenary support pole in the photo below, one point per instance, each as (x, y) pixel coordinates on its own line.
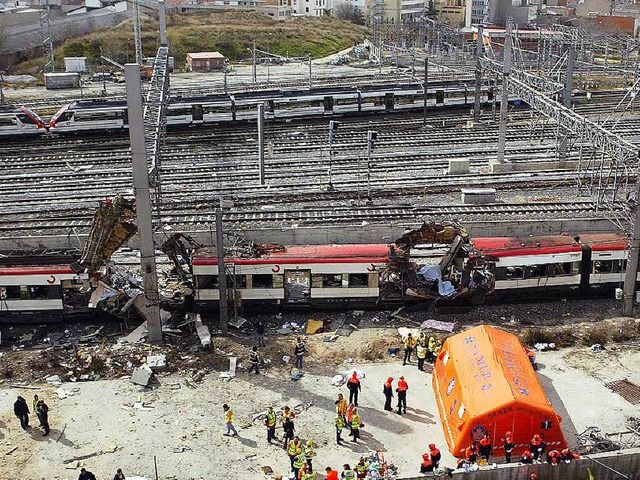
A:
(631, 273)
(143, 202)
(261, 142)
(425, 89)
(504, 101)
(162, 13)
(566, 100)
(478, 85)
(222, 272)
(310, 76)
(253, 58)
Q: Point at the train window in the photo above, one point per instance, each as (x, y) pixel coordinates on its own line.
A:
(65, 116)
(608, 266)
(26, 119)
(39, 292)
(7, 121)
(99, 116)
(206, 281)
(12, 292)
(241, 281)
(509, 273)
(24, 292)
(560, 269)
(358, 279)
(331, 280)
(537, 271)
(262, 281)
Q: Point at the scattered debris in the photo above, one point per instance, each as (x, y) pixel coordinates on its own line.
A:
(314, 326)
(141, 375)
(138, 335)
(203, 333)
(54, 380)
(437, 325)
(233, 365)
(9, 452)
(238, 322)
(157, 361)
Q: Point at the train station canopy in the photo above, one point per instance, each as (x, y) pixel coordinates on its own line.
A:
(484, 382)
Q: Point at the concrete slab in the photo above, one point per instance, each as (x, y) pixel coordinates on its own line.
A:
(141, 375)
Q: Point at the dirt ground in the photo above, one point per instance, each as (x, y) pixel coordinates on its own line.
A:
(105, 424)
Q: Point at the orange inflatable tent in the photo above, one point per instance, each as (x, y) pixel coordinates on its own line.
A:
(484, 383)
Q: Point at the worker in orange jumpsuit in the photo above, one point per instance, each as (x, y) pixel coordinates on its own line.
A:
(331, 474)
(341, 407)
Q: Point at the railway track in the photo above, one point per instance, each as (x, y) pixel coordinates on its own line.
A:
(319, 216)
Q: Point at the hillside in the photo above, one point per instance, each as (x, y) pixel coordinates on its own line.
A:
(231, 33)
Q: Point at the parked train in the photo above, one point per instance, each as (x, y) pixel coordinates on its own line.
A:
(42, 293)
(94, 115)
(321, 275)
(20, 121)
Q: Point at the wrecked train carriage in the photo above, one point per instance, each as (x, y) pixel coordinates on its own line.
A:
(436, 262)
(336, 275)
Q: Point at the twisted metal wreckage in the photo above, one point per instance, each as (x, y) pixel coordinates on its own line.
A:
(434, 262)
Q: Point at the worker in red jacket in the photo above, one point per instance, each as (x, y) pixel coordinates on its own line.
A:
(566, 455)
(388, 394)
(471, 453)
(553, 457)
(353, 384)
(485, 448)
(508, 444)
(527, 457)
(435, 455)
(427, 464)
(537, 447)
(402, 395)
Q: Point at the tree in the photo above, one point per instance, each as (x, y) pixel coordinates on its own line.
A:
(348, 12)
(431, 9)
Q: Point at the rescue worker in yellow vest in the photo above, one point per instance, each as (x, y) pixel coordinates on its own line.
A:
(310, 476)
(295, 448)
(409, 343)
(347, 473)
(340, 424)
(309, 453)
(421, 353)
(438, 348)
(422, 339)
(431, 348)
(298, 463)
(356, 423)
(270, 423)
(361, 468)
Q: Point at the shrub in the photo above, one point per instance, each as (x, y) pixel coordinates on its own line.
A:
(599, 335)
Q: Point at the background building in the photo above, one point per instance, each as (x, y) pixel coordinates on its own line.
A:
(205, 61)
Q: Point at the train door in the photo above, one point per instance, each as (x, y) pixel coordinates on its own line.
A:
(585, 269)
(297, 287)
(197, 113)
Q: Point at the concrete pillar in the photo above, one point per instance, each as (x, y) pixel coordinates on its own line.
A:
(222, 272)
(478, 89)
(504, 102)
(143, 202)
(163, 23)
(261, 142)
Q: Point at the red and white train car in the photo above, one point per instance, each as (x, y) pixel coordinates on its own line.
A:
(305, 275)
(34, 293)
(316, 275)
(583, 261)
